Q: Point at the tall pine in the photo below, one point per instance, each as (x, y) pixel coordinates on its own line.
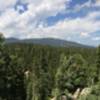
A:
(98, 63)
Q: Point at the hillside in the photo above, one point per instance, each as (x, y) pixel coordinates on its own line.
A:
(48, 41)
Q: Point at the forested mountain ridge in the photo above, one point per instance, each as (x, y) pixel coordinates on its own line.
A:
(48, 41)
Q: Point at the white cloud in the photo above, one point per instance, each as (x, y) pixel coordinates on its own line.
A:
(31, 23)
(78, 26)
(37, 10)
(84, 34)
(87, 4)
(66, 28)
(4, 4)
(7, 18)
(96, 38)
(97, 3)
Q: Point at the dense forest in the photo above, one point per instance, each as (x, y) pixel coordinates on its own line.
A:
(35, 72)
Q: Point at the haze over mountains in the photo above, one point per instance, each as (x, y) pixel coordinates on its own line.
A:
(47, 41)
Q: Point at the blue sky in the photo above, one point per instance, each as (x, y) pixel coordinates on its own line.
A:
(73, 20)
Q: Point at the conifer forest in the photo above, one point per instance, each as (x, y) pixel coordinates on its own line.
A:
(41, 72)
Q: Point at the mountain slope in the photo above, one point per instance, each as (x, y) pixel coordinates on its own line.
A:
(47, 41)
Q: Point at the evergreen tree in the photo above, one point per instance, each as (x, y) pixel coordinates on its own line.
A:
(1, 40)
(45, 78)
(71, 74)
(4, 70)
(11, 76)
(98, 63)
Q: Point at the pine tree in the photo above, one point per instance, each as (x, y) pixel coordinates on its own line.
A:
(11, 75)
(71, 74)
(45, 77)
(60, 74)
(4, 70)
(98, 63)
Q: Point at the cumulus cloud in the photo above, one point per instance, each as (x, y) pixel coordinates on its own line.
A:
(96, 38)
(4, 4)
(87, 4)
(31, 24)
(84, 34)
(7, 18)
(97, 3)
(37, 10)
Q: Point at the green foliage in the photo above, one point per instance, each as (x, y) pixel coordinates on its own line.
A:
(1, 39)
(50, 71)
(98, 63)
(71, 74)
(11, 78)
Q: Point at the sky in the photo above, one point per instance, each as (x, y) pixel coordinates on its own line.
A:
(72, 20)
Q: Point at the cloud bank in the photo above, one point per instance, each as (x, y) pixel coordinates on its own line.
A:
(31, 22)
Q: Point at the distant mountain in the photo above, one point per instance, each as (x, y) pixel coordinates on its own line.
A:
(11, 40)
(47, 41)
